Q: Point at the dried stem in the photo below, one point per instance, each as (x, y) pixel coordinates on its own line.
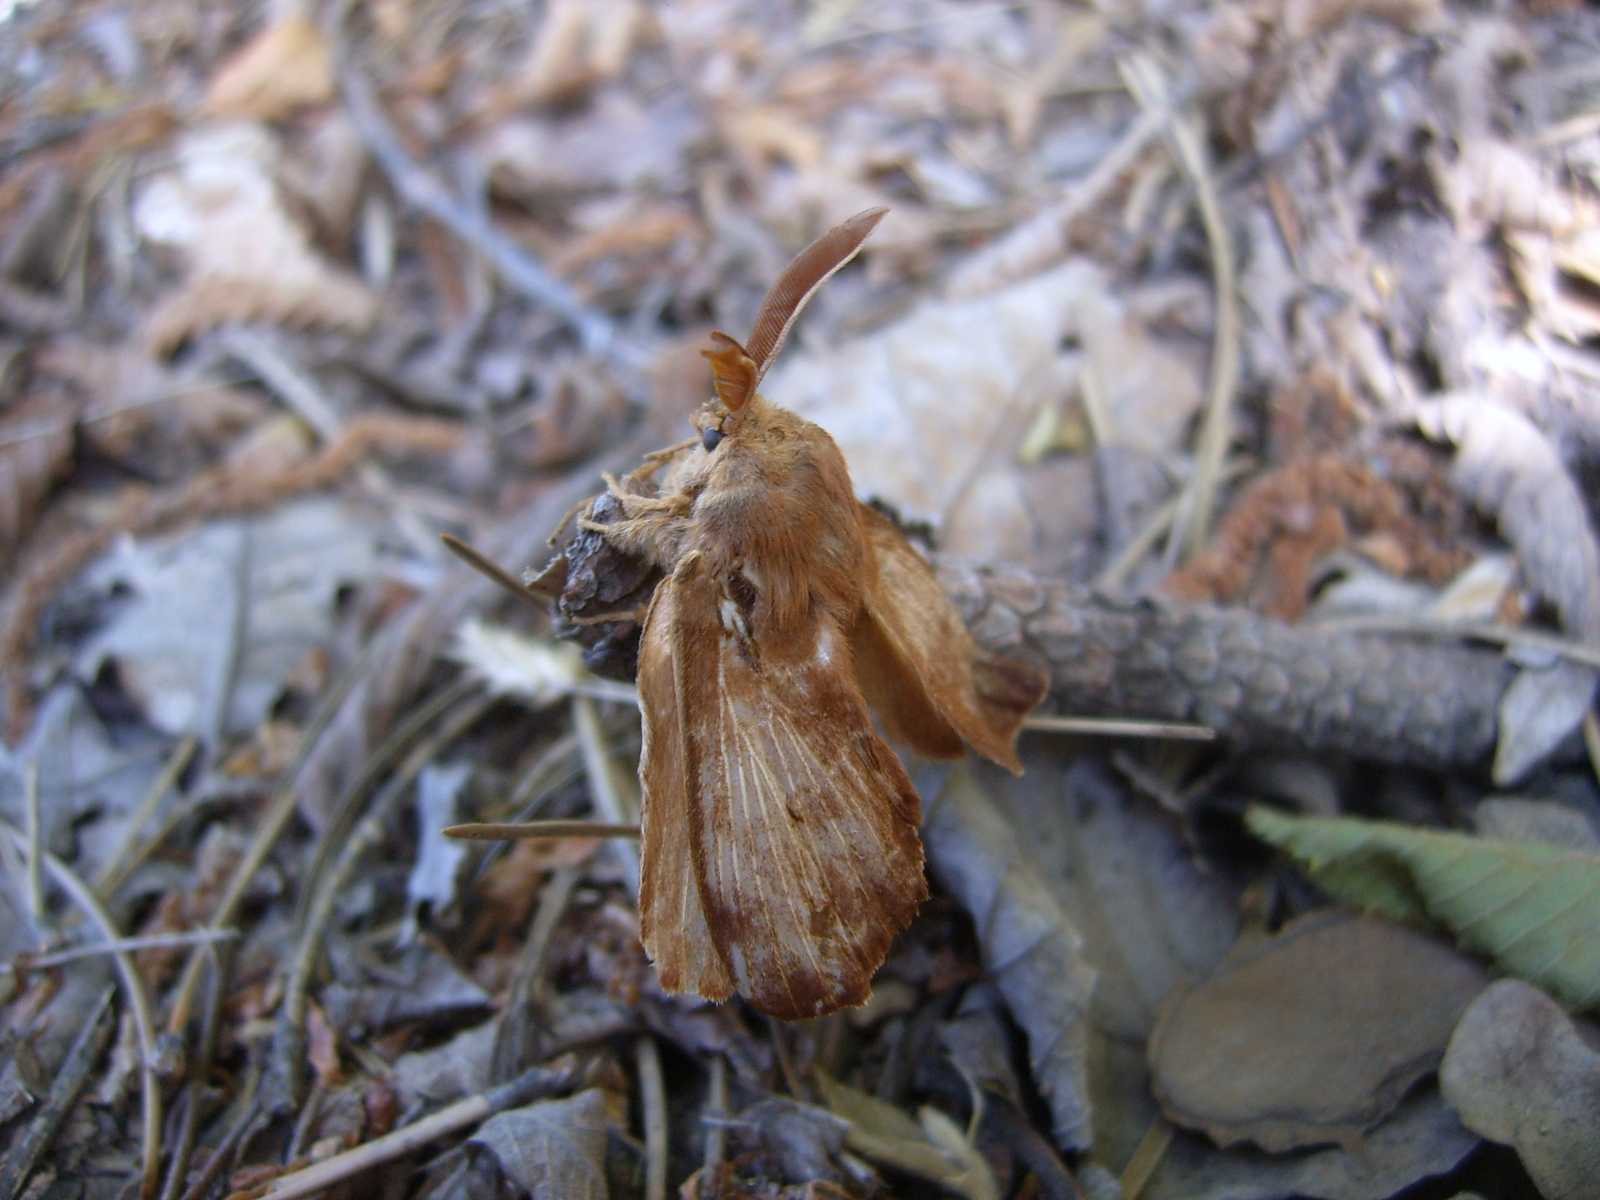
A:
(83, 896)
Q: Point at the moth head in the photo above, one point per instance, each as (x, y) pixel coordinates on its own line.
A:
(735, 370)
(734, 375)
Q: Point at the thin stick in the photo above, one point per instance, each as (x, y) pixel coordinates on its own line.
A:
(615, 797)
(490, 569)
(653, 1106)
(532, 1084)
(1118, 727)
(416, 187)
(489, 831)
(1144, 81)
(366, 835)
(1146, 1158)
(716, 1114)
(83, 896)
(155, 941)
(35, 845)
(129, 854)
(68, 1081)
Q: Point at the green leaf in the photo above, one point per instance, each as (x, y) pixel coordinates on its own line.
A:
(1534, 909)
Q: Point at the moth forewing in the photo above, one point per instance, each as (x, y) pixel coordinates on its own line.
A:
(672, 923)
(803, 823)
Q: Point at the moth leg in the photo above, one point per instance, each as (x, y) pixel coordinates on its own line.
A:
(635, 505)
(635, 615)
(640, 536)
(656, 459)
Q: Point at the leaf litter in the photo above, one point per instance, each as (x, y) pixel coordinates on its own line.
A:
(284, 296)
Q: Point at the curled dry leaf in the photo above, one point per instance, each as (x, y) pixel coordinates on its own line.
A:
(248, 257)
(1533, 908)
(1312, 1035)
(1507, 467)
(1521, 1072)
(284, 67)
(1089, 910)
(934, 1150)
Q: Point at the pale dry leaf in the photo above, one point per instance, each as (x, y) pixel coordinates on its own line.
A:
(580, 44)
(275, 575)
(1311, 1036)
(551, 1149)
(931, 410)
(433, 876)
(1508, 468)
(248, 258)
(933, 1150)
(286, 66)
(36, 441)
(89, 781)
(1521, 1072)
(1030, 948)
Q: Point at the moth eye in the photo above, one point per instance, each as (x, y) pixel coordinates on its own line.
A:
(710, 439)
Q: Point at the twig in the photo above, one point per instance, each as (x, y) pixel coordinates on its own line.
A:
(716, 1112)
(201, 1184)
(1119, 727)
(653, 1107)
(1145, 83)
(129, 854)
(533, 1084)
(83, 896)
(1500, 635)
(224, 671)
(488, 831)
(416, 187)
(154, 941)
(35, 844)
(1146, 1158)
(524, 993)
(615, 797)
(69, 1079)
(279, 813)
(367, 834)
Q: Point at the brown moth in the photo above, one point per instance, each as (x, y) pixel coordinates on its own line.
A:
(780, 846)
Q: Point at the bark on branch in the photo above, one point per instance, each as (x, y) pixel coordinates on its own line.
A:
(1257, 682)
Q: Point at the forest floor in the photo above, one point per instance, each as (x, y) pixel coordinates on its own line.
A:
(1238, 362)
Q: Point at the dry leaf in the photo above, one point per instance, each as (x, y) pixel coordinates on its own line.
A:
(1030, 946)
(934, 1151)
(954, 386)
(248, 258)
(550, 1149)
(1312, 1035)
(275, 575)
(1507, 467)
(1521, 1072)
(284, 67)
